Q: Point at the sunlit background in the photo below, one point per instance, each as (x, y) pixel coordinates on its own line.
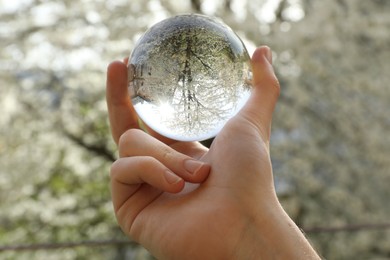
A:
(330, 139)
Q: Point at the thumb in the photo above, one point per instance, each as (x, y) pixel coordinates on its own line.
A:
(260, 106)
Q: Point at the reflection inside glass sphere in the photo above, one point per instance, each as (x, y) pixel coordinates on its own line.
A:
(188, 75)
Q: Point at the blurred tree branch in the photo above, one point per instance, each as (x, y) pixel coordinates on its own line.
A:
(97, 149)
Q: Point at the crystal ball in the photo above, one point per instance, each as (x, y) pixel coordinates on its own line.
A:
(188, 75)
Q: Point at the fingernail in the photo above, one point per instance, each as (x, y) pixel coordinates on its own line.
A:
(171, 177)
(192, 166)
(268, 54)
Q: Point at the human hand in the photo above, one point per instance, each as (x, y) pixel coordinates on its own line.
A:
(182, 201)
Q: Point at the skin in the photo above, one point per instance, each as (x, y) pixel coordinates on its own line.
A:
(182, 201)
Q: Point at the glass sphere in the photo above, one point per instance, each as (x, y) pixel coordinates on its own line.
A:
(188, 75)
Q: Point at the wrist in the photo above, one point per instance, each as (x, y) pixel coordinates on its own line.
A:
(271, 234)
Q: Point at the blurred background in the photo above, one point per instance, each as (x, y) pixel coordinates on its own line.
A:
(330, 138)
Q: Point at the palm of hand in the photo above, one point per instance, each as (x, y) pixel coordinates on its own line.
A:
(201, 215)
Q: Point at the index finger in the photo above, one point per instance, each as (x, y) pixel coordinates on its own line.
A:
(121, 113)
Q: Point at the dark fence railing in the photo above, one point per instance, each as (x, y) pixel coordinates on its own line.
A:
(116, 242)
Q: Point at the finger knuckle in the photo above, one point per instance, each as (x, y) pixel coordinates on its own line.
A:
(115, 167)
(167, 154)
(130, 138)
(276, 87)
(149, 163)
